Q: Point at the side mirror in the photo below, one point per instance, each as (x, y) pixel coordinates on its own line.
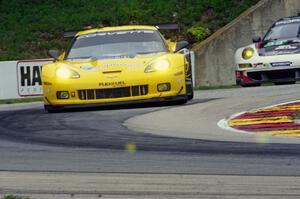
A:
(54, 54)
(181, 45)
(256, 39)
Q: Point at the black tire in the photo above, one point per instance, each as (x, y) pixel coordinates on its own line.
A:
(285, 83)
(190, 95)
(189, 90)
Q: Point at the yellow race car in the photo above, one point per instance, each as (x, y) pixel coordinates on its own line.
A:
(117, 65)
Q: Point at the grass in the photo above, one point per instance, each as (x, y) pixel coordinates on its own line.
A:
(22, 100)
(29, 28)
(14, 197)
(217, 87)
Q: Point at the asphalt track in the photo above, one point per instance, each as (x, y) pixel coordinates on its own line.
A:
(153, 140)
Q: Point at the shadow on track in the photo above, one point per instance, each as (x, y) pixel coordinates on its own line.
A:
(163, 104)
(103, 128)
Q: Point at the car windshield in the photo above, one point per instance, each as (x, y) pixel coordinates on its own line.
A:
(283, 31)
(117, 44)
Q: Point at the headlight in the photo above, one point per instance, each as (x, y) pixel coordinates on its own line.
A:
(248, 53)
(66, 73)
(160, 65)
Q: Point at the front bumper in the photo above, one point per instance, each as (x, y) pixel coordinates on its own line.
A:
(180, 98)
(83, 94)
(258, 76)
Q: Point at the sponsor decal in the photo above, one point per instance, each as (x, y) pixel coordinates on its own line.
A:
(112, 84)
(277, 64)
(87, 68)
(276, 43)
(111, 65)
(29, 77)
(116, 33)
(281, 52)
(120, 65)
(286, 47)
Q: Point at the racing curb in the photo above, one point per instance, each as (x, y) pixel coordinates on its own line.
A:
(225, 122)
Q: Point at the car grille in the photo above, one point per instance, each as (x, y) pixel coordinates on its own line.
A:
(91, 94)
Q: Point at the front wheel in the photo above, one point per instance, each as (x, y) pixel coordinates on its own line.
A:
(190, 96)
(189, 91)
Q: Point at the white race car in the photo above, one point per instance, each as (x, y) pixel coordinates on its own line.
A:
(273, 58)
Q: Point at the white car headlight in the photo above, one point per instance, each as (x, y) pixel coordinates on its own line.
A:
(66, 73)
(160, 65)
(247, 53)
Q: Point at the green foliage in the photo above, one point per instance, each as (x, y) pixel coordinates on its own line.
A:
(28, 28)
(216, 87)
(14, 197)
(21, 100)
(198, 33)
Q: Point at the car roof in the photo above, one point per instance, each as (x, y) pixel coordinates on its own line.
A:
(117, 28)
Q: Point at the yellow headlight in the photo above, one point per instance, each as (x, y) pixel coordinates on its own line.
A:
(161, 65)
(66, 73)
(248, 53)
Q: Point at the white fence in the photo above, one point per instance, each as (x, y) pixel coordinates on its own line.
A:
(20, 79)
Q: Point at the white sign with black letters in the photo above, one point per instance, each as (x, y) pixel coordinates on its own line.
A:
(29, 77)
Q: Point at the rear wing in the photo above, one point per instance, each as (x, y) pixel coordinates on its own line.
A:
(72, 33)
(167, 26)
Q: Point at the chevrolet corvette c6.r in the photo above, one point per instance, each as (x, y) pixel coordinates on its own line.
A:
(275, 58)
(117, 65)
